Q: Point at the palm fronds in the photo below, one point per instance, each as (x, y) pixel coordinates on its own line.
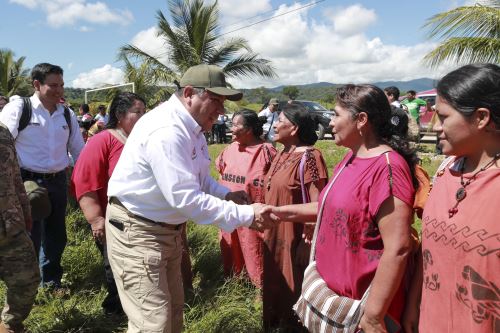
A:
(469, 34)
(192, 37)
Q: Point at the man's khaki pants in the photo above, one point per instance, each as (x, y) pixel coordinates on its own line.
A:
(146, 261)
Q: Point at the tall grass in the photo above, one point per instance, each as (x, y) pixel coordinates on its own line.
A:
(217, 305)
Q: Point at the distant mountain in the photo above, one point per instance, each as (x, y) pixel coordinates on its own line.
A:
(325, 91)
(309, 85)
(417, 84)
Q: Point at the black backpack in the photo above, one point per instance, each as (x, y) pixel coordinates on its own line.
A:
(28, 111)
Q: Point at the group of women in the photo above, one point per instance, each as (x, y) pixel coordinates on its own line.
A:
(364, 240)
(364, 234)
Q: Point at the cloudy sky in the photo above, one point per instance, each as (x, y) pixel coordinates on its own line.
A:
(334, 41)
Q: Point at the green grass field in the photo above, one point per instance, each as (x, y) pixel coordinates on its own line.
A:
(218, 305)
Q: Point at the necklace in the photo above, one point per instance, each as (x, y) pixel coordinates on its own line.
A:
(278, 165)
(462, 192)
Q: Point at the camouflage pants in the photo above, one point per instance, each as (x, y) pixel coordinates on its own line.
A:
(19, 270)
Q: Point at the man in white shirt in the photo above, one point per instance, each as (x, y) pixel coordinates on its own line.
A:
(392, 94)
(162, 180)
(42, 148)
(272, 116)
(102, 116)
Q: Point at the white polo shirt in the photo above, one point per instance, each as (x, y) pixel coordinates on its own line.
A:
(43, 145)
(163, 173)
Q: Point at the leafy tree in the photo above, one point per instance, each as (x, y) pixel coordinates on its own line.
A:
(192, 38)
(143, 76)
(291, 91)
(469, 33)
(13, 77)
(263, 94)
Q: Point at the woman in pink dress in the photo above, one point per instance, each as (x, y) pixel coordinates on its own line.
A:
(364, 233)
(92, 172)
(459, 279)
(242, 166)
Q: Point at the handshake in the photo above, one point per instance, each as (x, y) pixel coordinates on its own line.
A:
(263, 217)
(263, 214)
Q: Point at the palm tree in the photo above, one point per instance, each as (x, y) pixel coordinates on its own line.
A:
(194, 38)
(143, 76)
(469, 33)
(13, 78)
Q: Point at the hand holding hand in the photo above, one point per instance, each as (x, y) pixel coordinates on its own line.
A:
(238, 197)
(262, 220)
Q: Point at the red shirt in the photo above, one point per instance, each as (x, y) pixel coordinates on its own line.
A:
(349, 244)
(95, 166)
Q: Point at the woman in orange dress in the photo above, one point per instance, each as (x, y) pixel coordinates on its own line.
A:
(457, 288)
(242, 166)
(285, 253)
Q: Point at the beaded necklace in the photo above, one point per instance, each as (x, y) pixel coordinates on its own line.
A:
(462, 192)
(278, 165)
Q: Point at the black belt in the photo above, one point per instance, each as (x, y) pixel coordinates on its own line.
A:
(37, 175)
(115, 201)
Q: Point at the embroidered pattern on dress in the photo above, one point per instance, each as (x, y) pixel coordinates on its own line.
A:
(351, 234)
(465, 238)
(431, 280)
(482, 297)
(312, 165)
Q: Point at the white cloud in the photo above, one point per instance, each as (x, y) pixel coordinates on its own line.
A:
(70, 65)
(147, 41)
(98, 77)
(352, 20)
(69, 12)
(84, 28)
(336, 49)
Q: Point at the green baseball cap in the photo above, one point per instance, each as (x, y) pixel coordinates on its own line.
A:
(211, 78)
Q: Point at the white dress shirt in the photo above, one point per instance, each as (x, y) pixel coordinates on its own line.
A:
(100, 117)
(396, 104)
(271, 118)
(163, 173)
(43, 145)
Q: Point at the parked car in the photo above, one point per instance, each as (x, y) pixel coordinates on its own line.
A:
(426, 113)
(321, 115)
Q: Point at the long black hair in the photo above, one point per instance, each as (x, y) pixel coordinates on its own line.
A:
(251, 120)
(471, 87)
(120, 105)
(367, 98)
(299, 116)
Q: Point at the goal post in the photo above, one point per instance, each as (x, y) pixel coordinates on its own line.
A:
(109, 87)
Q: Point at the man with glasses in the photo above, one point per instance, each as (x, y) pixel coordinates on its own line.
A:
(161, 181)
